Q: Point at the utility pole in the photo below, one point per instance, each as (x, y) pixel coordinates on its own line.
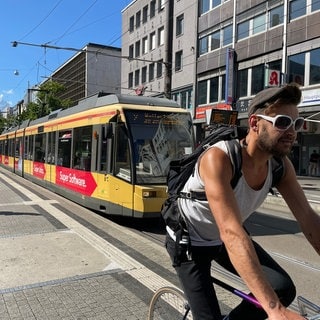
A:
(168, 53)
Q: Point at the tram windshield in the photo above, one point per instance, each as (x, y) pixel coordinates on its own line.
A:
(157, 138)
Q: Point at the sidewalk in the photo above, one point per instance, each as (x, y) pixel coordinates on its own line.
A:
(53, 267)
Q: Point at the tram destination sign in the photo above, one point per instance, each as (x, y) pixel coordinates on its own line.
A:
(151, 117)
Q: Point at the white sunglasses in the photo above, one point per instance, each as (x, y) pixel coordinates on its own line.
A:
(283, 123)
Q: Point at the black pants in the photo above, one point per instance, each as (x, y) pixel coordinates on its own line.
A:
(195, 278)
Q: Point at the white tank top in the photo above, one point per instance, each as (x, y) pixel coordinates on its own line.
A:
(201, 224)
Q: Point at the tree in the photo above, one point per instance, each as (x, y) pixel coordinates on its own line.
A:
(46, 101)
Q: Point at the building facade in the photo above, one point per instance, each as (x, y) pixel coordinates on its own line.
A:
(228, 51)
(257, 44)
(159, 39)
(95, 68)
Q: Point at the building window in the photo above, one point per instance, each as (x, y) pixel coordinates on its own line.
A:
(137, 51)
(257, 83)
(243, 30)
(214, 89)
(184, 98)
(137, 77)
(202, 92)
(131, 24)
(145, 14)
(216, 3)
(204, 6)
(227, 35)
(130, 80)
(276, 16)
(223, 87)
(81, 151)
(152, 41)
(138, 19)
(178, 60)
(296, 68)
(152, 8)
(144, 45)
(131, 49)
(259, 24)
(315, 5)
(215, 40)
(203, 45)
(179, 25)
(161, 4)
(151, 72)
(144, 75)
(242, 83)
(161, 36)
(297, 9)
(314, 66)
(159, 68)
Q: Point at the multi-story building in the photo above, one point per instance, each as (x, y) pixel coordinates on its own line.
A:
(259, 44)
(230, 50)
(94, 68)
(159, 38)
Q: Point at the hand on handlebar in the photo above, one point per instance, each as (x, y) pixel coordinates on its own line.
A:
(286, 314)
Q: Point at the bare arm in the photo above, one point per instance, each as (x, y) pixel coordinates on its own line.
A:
(216, 172)
(294, 196)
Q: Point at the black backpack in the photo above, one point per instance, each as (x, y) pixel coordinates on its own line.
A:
(180, 171)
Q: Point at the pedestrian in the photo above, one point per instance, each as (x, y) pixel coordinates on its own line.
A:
(314, 163)
(216, 226)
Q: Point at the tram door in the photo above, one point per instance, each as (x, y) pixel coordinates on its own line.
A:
(18, 155)
(121, 188)
(114, 186)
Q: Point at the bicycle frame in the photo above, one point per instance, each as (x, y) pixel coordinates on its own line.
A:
(237, 292)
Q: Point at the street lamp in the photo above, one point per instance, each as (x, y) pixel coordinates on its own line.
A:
(15, 71)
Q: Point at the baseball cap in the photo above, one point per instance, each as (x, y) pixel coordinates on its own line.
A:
(273, 94)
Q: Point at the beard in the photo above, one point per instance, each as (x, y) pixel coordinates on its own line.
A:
(275, 146)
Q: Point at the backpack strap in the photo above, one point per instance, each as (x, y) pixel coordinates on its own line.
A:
(234, 151)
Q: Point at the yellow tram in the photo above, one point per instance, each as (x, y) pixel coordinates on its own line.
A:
(109, 153)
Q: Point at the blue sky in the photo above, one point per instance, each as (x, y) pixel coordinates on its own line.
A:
(62, 23)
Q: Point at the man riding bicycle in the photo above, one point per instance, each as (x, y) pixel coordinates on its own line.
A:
(216, 226)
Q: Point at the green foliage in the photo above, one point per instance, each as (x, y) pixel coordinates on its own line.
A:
(46, 101)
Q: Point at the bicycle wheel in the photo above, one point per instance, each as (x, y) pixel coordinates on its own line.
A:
(169, 304)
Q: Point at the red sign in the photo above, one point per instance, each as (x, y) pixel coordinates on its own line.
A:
(39, 170)
(76, 180)
(273, 78)
(6, 160)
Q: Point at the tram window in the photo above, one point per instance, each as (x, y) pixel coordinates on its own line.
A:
(82, 142)
(18, 147)
(122, 161)
(11, 148)
(51, 148)
(25, 148)
(40, 142)
(64, 148)
(30, 148)
(103, 152)
(6, 147)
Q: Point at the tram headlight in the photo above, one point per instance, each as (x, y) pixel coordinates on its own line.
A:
(149, 194)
